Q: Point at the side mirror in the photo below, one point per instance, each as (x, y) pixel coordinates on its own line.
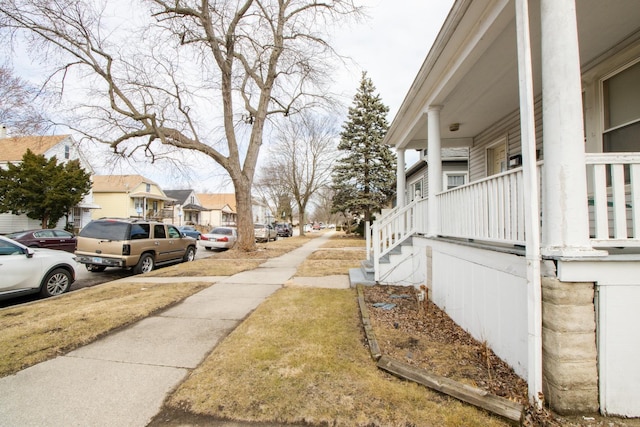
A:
(29, 253)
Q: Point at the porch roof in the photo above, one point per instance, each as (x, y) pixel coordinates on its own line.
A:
(472, 70)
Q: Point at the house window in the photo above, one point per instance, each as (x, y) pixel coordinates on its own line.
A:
(621, 108)
(67, 152)
(416, 190)
(453, 180)
(148, 188)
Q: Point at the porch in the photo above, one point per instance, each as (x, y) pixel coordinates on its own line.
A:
(491, 211)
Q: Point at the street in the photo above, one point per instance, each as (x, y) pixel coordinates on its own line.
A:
(85, 279)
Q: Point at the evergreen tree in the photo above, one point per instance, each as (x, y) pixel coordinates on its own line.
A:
(364, 177)
(42, 189)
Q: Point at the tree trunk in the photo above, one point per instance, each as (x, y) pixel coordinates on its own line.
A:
(246, 239)
(301, 222)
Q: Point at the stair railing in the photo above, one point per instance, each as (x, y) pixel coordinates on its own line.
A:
(391, 230)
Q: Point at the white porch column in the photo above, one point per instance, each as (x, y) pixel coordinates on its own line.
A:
(434, 162)
(400, 179)
(565, 217)
(531, 194)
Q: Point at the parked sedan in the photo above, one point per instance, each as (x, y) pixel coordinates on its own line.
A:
(47, 239)
(219, 238)
(190, 230)
(27, 270)
(264, 232)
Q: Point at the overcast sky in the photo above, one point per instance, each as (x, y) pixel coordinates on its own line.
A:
(391, 45)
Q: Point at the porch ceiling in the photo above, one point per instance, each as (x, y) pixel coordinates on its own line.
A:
(471, 70)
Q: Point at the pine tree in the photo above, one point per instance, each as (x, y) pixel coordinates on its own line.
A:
(41, 188)
(364, 178)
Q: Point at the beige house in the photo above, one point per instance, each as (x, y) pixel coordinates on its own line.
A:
(221, 209)
(129, 196)
(64, 148)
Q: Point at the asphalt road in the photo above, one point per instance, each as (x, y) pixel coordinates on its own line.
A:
(85, 279)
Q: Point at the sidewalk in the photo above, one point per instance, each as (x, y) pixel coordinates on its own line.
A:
(123, 379)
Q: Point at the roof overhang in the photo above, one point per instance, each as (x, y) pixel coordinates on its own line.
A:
(471, 71)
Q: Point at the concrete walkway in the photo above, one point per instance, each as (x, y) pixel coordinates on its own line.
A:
(123, 379)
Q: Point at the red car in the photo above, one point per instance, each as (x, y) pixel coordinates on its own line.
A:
(48, 239)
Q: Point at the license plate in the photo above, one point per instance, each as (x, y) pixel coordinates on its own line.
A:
(97, 260)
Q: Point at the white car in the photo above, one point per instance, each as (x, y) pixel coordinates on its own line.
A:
(27, 270)
(219, 238)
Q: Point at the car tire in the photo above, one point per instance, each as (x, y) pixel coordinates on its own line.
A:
(95, 268)
(145, 264)
(56, 282)
(190, 254)
(208, 248)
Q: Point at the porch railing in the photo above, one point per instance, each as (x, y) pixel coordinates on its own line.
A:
(614, 199)
(492, 209)
(389, 232)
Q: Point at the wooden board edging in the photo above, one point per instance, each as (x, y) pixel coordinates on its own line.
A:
(374, 348)
(481, 398)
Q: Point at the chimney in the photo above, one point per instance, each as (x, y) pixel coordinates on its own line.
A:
(3, 131)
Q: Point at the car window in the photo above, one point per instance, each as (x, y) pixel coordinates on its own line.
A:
(223, 231)
(108, 230)
(140, 231)
(159, 232)
(7, 248)
(258, 226)
(174, 233)
(44, 233)
(64, 234)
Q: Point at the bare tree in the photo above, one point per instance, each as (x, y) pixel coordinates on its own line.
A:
(273, 188)
(302, 158)
(198, 75)
(18, 108)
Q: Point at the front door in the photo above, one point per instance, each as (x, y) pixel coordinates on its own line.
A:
(497, 158)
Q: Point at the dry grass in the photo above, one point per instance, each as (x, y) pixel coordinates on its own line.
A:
(343, 240)
(207, 267)
(327, 262)
(33, 333)
(311, 366)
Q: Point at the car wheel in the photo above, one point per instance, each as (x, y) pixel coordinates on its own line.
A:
(57, 282)
(95, 268)
(145, 264)
(208, 248)
(190, 254)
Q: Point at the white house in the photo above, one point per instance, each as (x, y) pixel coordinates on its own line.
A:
(538, 254)
(12, 149)
(186, 209)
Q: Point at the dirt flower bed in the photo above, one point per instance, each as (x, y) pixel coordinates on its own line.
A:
(422, 335)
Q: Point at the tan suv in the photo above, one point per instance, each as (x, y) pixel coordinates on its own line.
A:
(132, 243)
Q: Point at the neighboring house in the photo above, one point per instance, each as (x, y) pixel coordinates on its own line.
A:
(187, 208)
(130, 196)
(12, 149)
(538, 254)
(221, 209)
(455, 172)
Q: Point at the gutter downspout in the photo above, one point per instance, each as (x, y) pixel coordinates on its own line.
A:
(531, 199)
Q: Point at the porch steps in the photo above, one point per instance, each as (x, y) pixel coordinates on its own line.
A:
(403, 265)
(363, 275)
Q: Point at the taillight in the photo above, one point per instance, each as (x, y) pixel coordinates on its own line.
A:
(203, 237)
(126, 249)
(222, 239)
